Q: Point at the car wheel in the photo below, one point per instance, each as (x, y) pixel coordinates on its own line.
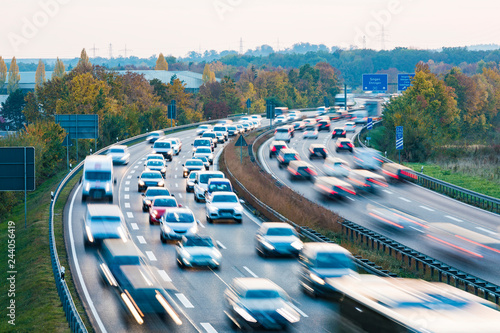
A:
(196, 198)
(84, 198)
(150, 221)
(270, 156)
(336, 150)
(162, 238)
(238, 221)
(180, 264)
(110, 200)
(209, 220)
(279, 166)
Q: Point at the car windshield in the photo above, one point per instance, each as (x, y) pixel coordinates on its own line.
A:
(333, 260)
(112, 219)
(164, 202)
(162, 144)
(223, 187)
(204, 150)
(205, 177)
(232, 128)
(179, 217)
(155, 163)
(201, 143)
(282, 130)
(262, 294)
(155, 157)
(219, 129)
(117, 150)
(156, 192)
(209, 135)
(154, 134)
(194, 163)
(199, 242)
(98, 175)
(225, 198)
(192, 175)
(201, 158)
(151, 175)
(290, 156)
(280, 232)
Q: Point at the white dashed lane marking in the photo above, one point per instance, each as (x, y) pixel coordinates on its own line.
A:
(127, 204)
(134, 226)
(208, 327)
(126, 189)
(164, 275)
(184, 301)
(133, 171)
(141, 239)
(453, 218)
(486, 230)
(180, 195)
(151, 255)
(427, 208)
(135, 167)
(130, 215)
(387, 191)
(404, 199)
(126, 196)
(129, 177)
(127, 182)
(176, 185)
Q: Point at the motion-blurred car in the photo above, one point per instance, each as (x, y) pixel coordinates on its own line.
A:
(154, 157)
(286, 155)
(119, 154)
(281, 119)
(317, 150)
(310, 132)
(324, 124)
(301, 170)
(205, 152)
(320, 261)
(150, 178)
(163, 147)
(212, 136)
(198, 251)
(202, 129)
(350, 126)
(157, 165)
(396, 219)
(277, 238)
(176, 145)
(275, 147)
(299, 125)
(368, 181)
(104, 221)
(396, 172)
(190, 181)
(283, 133)
(153, 136)
(177, 222)
(310, 122)
(336, 167)
(224, 206)
(367, 158)
(159, 206)
(339, 132)
(217, 185)
(192, 165)
(258, 303)
(205, 142)
(344, 144)
(333, 188)
(150, 194)
(201, 183)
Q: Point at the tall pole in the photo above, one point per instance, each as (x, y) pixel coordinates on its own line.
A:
(25, 189)
(345, 96)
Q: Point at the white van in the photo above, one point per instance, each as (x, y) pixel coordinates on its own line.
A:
(97, 179)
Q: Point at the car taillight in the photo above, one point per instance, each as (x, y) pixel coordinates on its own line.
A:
(347, 190)
(311, 151)
(311, 172)
(273, 149)
(293, 171)
(326, 189)
(408, 174)
(377, 182)
(324, 150)
(378, 159)
(350, 145)
(343, 133)
(340, 145)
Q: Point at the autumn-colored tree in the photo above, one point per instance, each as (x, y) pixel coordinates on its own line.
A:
(3, 72)
(206, 74)
(14, 77)
(40, 75)
(59, 69)
(31, 109)
(84, 64)
(161, 63)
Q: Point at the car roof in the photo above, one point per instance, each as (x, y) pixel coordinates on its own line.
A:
(317, 145)
(249, 283)
(151, 171)
(283, 225)
(278, 142)
(288, 151)
(214, 194)
(316, 247)
(299, 164)
(331, 159)
(104, 210)
(118, 146)
(333, 181)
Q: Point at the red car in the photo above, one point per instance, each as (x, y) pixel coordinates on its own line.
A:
(159, 205)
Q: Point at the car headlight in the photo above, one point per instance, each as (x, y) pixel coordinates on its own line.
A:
(87, 187)
(267, 244)
(213, 209)
(141, 182)
(148, 202)
(107, 187)
(166, 229)
(193, 230)
(163, 170)
(154, 213)
(217, 254)
(161, 183)
(316, 279)
(297, 245)
(185, 254)
(238, 209)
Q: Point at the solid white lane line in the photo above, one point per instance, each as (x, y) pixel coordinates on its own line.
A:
(164, 275)
(486, 230)
(249, 271)
(387, 191)
(184, 301)
(220, 245)
(127, 204)
(126, 196)
(209, 328)
(141, 239)
(404, 199)
(126, 189)
(77, 265)
(151, 255)
(453, 218)
(130, 215)
(134, 226)
(427, 208)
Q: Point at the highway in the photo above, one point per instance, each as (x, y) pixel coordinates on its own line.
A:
(405, 197)
(197, 293)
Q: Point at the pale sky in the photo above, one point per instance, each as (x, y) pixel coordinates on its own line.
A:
(61, 28)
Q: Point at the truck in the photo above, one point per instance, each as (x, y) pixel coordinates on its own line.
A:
(374, 108)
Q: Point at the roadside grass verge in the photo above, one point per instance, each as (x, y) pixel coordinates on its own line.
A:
(38, 307)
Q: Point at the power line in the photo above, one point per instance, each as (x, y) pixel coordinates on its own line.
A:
(241, 45)
(93, 50)
(110, 51)
(125, 51)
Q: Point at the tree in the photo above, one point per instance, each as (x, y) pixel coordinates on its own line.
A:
(12, 110)
(206, 76)
(14, 77)
(84, 64)
(59, 69)
(40, 75)
(31, 109)
(161, 63)
(3, 72)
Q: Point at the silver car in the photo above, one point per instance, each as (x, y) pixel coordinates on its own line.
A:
(224, 206)
(176, 223)
(119, 154)
(150, 178)
(198, 251)
(157, 165)
(277, 238)
(204, 151)
(201, 183)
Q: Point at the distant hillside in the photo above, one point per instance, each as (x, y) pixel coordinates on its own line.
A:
(483, 47)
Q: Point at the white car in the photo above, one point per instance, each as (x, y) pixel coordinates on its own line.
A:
(350, 126)
(204, 151)
(336, 167)
(202, 129)
(224, 206)
(201, 183)
(176, 223)
(153, 136)
(119, 154)
(281, 119)
(176, 145)
(310, 133)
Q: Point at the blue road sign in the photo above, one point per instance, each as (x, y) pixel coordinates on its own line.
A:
(249, 103)
(376, 82)
(399, 137)
(369, 123)
(404, 81)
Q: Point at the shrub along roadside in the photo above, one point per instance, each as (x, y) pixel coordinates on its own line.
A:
(300, 210)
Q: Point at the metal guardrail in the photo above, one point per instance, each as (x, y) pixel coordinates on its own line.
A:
(72, 316)
(355, 232)
(453, 191)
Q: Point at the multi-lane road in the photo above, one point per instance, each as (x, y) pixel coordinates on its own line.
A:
(198, 293)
